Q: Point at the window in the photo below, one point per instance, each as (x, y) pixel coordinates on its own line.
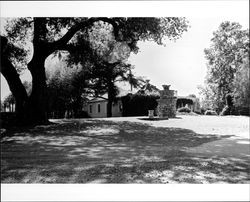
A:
(98, 108)
(90, 108)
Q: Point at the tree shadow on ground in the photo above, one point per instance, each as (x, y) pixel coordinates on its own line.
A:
(101, 151)
(158, 118)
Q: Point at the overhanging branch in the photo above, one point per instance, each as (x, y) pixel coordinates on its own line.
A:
(59, 44)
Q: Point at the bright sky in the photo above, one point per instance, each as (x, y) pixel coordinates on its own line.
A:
(180, 64)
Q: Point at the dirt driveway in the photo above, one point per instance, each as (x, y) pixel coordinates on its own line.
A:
(187, 149)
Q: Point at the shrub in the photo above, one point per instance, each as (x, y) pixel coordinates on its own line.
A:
(227, 110)
(184, 109)
(82, 114)
(210, 112)
(198, 112)
(203, 110)
(245, 111)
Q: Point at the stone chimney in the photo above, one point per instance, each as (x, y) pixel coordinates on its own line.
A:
(167, 102)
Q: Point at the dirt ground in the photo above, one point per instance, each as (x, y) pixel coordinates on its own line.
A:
(186, 149)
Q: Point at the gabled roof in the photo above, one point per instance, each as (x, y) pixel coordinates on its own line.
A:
(104, 97)
(97, 99)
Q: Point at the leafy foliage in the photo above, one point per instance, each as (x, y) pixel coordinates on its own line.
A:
(242, 88)
(10, 99)
(98, 35)
(229, 48)
(66, 87)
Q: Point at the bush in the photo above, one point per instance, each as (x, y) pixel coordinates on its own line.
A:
(245, 111)
(198, 112)
(82, 114)
(203, 110)
(184, 109)
(210, 112)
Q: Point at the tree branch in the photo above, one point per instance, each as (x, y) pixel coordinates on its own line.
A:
(40, 30)
(59, 44)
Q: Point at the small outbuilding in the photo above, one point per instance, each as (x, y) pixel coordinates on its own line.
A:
(97, 108)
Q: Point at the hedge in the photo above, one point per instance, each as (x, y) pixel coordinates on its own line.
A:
(138, 104)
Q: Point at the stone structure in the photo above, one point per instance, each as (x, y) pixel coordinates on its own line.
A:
(167, 102)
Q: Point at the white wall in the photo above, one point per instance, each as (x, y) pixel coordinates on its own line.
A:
(95, 113)
(116, 112)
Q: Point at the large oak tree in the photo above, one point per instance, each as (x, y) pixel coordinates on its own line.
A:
(50, 35)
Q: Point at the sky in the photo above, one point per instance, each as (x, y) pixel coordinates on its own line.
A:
(180, 64)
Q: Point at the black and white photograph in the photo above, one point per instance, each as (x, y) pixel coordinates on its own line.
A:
(131, 93)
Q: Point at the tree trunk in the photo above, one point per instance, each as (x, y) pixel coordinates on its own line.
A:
(15, 84)
(109, 108)
(29, 110)
(37, 102)
(110, 99)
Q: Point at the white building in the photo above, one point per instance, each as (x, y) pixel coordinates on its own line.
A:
(97, 108)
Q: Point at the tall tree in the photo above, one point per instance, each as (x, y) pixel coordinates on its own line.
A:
(65, 88)
(229, 47)
(242, 88)
(105, 78)
(50, 35)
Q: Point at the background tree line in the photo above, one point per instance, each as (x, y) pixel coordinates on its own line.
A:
(228, 70)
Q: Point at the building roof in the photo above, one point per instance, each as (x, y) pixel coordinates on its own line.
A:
(104, 97)
(97, 99)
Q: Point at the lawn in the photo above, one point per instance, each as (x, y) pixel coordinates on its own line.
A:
(186, 149)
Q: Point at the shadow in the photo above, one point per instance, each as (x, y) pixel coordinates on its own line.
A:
(182, 169)
(104, 151)
(9, 131)
(158, 119)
